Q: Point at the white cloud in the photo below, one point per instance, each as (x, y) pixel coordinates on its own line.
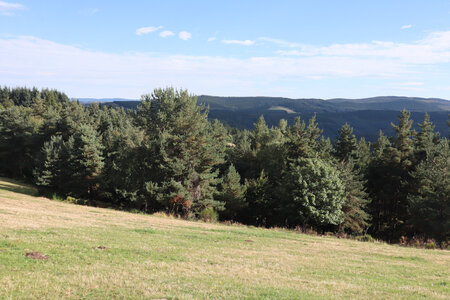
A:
(290, 53)
(184, 35)
(409, 83)
(147, 30)
(244, 43)
(406, 26)
(8, 8)
(166, 33)
(36, 62)
(123, 75)
(435, 48)
(211, 39)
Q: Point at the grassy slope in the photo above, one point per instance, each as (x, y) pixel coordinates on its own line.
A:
(156, 256)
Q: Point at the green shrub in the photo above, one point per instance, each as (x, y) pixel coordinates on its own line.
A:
(57, 197)
(365, 238)
(430, 244)
(209, 215)
(71, 199)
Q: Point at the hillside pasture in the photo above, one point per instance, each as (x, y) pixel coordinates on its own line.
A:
(102, 253)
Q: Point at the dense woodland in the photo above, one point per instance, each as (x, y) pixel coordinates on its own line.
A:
(167, 156)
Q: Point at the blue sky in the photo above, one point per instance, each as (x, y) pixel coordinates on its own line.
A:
(298, 49)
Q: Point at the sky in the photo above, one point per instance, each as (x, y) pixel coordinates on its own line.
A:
(297, 49)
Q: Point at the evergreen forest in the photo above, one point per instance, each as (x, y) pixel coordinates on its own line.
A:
(168, 156)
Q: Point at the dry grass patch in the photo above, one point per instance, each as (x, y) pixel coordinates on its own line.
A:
(102, 253)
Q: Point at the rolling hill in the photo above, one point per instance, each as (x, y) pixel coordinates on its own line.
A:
(56, 250)
(367, 116)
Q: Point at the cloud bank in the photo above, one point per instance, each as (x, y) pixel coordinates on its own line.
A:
(8, 8)
(85, 73)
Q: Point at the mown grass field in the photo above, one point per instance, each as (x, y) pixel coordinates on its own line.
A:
(160, 257)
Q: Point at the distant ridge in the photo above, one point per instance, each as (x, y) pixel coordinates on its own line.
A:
(366, 115)
(309, 104)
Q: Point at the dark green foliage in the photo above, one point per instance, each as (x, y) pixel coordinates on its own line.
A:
(429, 204)
(302, 140)
(366, 116)
(18, 139)
(387, 174)
(426, 138)
(346, 143)
(315, 193)
(232, 194)
(51, 164)
(258, 196)
(168, 156)
(356, 200)
(183, 149)
(208, 214)
(122, 180)
(85, 161)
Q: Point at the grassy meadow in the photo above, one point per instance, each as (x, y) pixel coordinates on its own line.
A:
(101, 253)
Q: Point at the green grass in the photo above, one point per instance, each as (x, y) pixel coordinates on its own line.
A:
(162, 257)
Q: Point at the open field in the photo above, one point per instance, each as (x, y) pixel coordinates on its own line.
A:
(160, 257)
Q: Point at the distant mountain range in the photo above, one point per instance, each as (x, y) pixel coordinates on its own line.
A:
(367, 116)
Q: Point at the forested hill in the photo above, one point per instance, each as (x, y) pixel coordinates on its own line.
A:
(367, 116)
(167, 156)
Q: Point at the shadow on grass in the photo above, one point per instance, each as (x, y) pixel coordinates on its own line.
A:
(17, 187)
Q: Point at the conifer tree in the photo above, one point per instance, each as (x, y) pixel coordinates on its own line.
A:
(387, 175)
(380, 146)
(362, 157)
(183, 149)
(315, 194)
(429, 204)
(354, 208)
(85, 162)
(259, 199)
(302, 140)
(425, 138)
(260, 134)
(49, 164)
(232, 193)
(346, 143)
(19, 141)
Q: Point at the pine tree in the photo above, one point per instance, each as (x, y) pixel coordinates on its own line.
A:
(85, 162)
(315, 194)
(122, 176)
(402, 144)
(302, 140)
(380, 146)
(387, 175)
(183, 149)
(49, 165)
(346, 143)
(232, 193)
(362, 157)
(429, 204)
(260, 134)
(356, 200)
(19, 141)
(260, 205)
(425, 138)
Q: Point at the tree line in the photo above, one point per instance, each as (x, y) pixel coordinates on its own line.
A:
(167, 156)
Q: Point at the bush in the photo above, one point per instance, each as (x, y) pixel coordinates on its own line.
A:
(365, 238)
(71, 199)
(57, 197)
(430, 244)
(209, 215)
